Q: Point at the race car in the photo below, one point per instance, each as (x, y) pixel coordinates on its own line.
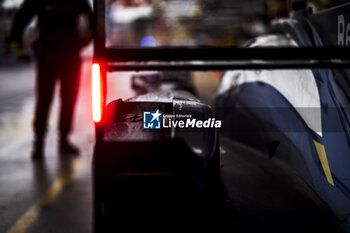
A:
(147, 173)
(300, 117)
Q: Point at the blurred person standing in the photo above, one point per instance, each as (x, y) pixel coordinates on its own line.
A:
(57, 49)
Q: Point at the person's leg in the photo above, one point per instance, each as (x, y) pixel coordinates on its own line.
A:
(45, 85)
(69, 89)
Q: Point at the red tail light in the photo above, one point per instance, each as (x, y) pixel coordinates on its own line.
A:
(96, 89)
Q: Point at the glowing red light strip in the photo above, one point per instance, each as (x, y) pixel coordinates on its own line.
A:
(96, 92)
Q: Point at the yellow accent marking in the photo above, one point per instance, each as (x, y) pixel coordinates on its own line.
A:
(33, 213)
(323, 158)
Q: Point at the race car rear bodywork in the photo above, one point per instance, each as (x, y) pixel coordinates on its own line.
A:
(167, 175)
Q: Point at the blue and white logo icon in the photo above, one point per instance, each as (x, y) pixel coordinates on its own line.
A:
(151, 120)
